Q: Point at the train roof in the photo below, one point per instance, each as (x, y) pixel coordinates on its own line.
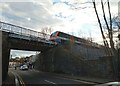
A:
(72, 35)
(82, 39)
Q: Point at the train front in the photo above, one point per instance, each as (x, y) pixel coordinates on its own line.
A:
(55, 37)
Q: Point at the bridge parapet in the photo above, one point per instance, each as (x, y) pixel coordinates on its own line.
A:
(24, 33)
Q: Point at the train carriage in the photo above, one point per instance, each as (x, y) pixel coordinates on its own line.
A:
(61, 38)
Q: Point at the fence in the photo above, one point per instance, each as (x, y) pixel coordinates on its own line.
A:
(22, 31)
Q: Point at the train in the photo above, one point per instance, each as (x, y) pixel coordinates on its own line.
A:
(61, 37)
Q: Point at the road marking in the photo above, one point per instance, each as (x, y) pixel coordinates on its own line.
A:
(21, 80)
(76, 80)
(18, 79)
(50, 82)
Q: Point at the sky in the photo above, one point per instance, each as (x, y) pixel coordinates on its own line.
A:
(21, 53)
(75, 17)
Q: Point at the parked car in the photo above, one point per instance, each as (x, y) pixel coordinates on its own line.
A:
(24, 67)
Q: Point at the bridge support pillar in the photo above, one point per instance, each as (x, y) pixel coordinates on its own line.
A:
(5, 55)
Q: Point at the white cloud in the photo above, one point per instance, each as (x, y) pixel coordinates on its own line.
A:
(20, 12)
(21, 53)
(70, 16)
(63, 15)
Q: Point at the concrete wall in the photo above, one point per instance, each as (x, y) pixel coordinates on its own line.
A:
(76, 60)
(8, 43)
(5, 55)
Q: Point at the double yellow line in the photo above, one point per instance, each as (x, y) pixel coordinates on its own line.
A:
(18, 80)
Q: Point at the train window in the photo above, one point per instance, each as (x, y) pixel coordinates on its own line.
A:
(60, 34)
(64, 35)
(53, 34)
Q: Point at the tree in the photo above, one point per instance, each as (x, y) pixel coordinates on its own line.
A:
(110, 31)
(101, 29)
(116, 22)
(108, 26)
(110, 35)
(46, 31)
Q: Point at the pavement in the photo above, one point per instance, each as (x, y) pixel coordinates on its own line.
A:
(10, 80)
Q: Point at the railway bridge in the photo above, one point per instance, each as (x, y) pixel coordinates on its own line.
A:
(20, 38)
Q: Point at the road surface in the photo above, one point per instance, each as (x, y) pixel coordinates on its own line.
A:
(33, 77)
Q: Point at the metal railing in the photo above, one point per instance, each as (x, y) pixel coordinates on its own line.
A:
(21, 30)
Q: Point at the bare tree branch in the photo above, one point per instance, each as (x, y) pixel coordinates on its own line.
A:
(100, 25)
(104, 16)
(46, 31)
(110, 30)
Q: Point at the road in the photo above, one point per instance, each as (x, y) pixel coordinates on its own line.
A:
(34, 77)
